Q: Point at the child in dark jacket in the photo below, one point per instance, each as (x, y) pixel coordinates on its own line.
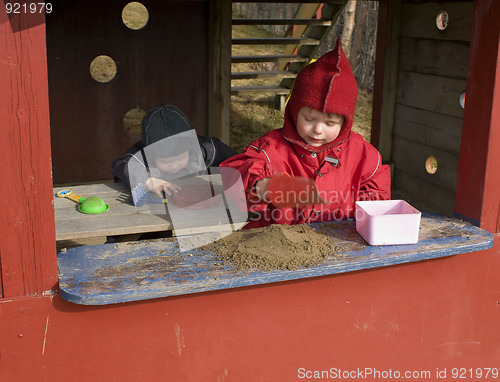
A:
(315, 142)
(169, 149)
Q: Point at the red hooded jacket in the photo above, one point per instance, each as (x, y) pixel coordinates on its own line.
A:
(345, 170)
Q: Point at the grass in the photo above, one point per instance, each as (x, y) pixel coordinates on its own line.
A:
(251, 118)
(363, 115)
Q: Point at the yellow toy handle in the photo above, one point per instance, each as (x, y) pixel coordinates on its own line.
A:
(67, 193)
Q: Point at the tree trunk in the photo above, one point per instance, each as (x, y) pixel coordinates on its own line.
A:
(358, 35)
(349, 21)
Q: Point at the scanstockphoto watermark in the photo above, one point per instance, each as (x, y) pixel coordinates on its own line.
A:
(363, 373)
(333, 197)
(369, 373)
(340, 205)
(326, 212)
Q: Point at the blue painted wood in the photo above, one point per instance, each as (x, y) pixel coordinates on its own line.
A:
(122, 272)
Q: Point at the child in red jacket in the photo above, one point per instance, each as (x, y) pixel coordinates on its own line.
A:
(315, 142)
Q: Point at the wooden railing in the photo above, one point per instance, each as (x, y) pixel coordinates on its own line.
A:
(300, 42)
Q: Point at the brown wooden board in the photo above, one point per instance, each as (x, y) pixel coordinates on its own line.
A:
(422, 194)
(419, 20)
(112, 193)
(166, 61)
(386, 72)
(434, 130)
(437, 57)
(419, 113)
(123, 218)
(411, 157)
(219, 69)
(432, 93)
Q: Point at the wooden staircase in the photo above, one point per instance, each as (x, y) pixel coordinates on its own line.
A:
(300, 43)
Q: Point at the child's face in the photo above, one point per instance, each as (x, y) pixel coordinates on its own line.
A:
(172, 165)
(317, 128)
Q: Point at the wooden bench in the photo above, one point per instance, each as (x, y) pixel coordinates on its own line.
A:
(122, 218)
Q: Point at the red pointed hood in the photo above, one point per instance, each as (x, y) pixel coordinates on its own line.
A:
(327, 85)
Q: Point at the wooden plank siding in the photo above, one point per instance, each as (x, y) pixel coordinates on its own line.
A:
(27, 246)
(386, 71)
(219, 69)
(437, 131)
(436, 57)
(431, 75)
(418, 20)
(433, 93)
(167, 61)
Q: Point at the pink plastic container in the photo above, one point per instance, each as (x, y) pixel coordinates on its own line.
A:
(386, 222)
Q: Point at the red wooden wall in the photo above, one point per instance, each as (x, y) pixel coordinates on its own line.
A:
(424, 316)
(27, 241)
(478, 185)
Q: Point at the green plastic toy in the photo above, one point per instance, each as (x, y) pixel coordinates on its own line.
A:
(92, 205)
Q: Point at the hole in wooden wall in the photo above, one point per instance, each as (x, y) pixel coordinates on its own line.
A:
(431, 164)
(442, 20)
(103, 68)
(462, 99)
(132, 121)
(135, 15)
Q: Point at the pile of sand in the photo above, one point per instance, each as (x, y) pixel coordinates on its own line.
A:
(274, 247)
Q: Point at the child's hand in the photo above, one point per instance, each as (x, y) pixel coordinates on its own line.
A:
(260, 190)
(158, 185)
(170, 188)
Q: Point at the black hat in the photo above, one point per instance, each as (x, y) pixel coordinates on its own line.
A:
(162, 122)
